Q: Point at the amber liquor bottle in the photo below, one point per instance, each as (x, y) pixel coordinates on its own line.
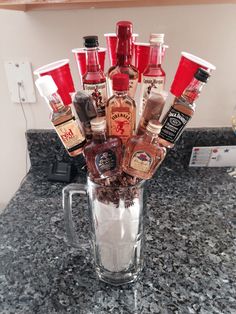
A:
(144, 154)
(182, 110)
(94, 80)
(153, 76)
(124, 56)
(62, 118)
(104, 153)
(153, 109)
(121, 109)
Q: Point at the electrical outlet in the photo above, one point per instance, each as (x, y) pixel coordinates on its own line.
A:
(20, 81)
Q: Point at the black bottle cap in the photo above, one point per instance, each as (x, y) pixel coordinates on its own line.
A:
(90, 41)
(202, 75)
(84, 106)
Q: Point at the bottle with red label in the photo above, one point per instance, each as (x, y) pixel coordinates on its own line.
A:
(94, 80)
(104, 153)
(153, 76)
(62, 118)
(182, 110)
(143, 154)
(121, 109)
(124, 57)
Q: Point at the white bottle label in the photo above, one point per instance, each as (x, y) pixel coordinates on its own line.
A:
(99, 94)
(70, 134)
(149, 82)
(132, 87)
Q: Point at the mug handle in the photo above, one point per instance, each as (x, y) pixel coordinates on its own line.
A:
(67, 194)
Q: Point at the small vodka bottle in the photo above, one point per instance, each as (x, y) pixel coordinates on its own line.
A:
(153, 109)
(104, 153)
(182, 110)
(121, 109)
(84, 107)
(124, 56)
(94, 80)
(144, 154)
(62, 117)
(153, 76)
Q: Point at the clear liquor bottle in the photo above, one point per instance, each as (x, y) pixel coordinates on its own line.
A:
(62, 117)
(153, 109)
(94, 80)
(121, 109)
(104, 153)
(143, 154)
(182, 110)
(153, 76)
(124, 57)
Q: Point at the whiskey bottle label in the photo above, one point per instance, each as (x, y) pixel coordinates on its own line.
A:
(121, 123)
(99, 94)
(70, 134)
(173, 125)
(132, 87)
(149, 82)
(141, 161)
(106, 161)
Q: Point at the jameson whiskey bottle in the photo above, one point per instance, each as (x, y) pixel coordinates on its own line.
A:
(94, 80)
(124, 56)
(121, 109)
(104, 153)
(62, 118)
(182, 110)
(144, 154)
(153, 76)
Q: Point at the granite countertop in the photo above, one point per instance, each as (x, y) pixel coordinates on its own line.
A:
(190, 260)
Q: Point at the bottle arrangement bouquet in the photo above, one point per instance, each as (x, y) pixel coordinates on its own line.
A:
(120, 152)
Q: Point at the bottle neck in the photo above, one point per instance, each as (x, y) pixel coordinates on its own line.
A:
(155, 54)
(150, 137)
(124, 51)
(192, 92)
(120, 93)
(99, 137)
(92, 62)
(55, 102)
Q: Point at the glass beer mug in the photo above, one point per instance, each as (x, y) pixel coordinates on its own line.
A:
(117, 228)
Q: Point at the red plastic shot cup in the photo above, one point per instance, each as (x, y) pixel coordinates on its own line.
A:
(141, 56)
(187, 67)
(60, 72)
(80, 57)
(111, 41)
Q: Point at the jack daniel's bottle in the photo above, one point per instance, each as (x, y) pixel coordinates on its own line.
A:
(182, 110)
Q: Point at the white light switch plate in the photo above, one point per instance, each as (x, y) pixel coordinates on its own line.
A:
(213, 156)
(20, 72)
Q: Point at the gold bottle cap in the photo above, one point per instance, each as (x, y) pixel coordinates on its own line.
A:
(98, 124)
(154, 126)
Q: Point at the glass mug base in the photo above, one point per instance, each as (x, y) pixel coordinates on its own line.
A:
(119, 278)
(117, 232)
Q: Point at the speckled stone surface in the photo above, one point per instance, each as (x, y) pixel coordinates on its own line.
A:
(190, 252)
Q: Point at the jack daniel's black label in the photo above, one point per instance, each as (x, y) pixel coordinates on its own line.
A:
(173, 125)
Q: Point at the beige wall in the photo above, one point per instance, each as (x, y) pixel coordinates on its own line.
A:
(42, 37)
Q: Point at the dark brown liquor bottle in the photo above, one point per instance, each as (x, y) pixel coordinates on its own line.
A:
(104, 153)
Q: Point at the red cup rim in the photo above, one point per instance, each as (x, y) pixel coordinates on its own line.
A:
(114, 35)
(51, 66)
(83, 50)
(198, 60)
